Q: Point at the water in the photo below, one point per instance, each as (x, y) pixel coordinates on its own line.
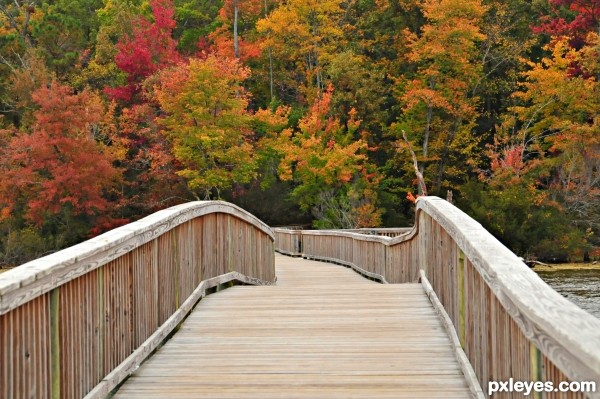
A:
(582, 287)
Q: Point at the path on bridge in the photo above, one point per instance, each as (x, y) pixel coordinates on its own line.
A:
(322, 332)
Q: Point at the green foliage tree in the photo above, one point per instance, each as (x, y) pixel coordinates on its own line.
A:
(207, 120)
(66, 32)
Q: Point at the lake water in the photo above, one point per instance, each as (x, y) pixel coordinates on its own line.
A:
(581, 287)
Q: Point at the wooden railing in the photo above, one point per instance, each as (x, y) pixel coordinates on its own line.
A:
(79, 321)
(387, 259)
(508, 321)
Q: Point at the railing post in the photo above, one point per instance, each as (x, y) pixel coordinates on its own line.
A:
(423, 240)
(100, 322)
(55, 342)
(229, 235)
(461, 298)
(536, 367)
(176, 274)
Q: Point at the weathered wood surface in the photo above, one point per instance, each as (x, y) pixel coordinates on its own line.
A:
(508, 319)
(509, 322)
(321, 332)
(81, 319)
(390, 256)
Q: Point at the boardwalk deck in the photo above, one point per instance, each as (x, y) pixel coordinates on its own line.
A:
(321, 332)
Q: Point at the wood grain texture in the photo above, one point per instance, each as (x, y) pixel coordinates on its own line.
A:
(39, 276)
(567, 336)
(465, 365)
(113, 303)
(321, 332)
(498, 305)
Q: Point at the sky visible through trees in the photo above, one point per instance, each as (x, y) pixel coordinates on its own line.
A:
(296, 110)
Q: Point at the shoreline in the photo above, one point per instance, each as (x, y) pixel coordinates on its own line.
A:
(566, 266)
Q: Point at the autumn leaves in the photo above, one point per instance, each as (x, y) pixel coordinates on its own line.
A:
(113, 109)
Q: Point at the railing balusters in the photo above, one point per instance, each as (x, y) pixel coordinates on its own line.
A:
(80, 320)
(509, 322)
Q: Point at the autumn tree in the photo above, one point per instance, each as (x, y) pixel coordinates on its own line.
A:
(58, 174)
(440, 109)
(540, 194)
(302, 36)
(228, 39)
(207, 121)
(150, 181)
(16, 17)
(571, 18)
(150, 48)
(557, 127)
(330, 169)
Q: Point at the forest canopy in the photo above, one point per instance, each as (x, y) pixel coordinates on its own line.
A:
(296, 111)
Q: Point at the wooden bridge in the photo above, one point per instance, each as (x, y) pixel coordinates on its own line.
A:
(439, 311)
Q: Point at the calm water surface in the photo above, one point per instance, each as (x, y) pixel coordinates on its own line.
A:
(581, 287)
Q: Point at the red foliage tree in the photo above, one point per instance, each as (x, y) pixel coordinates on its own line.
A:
(150, 48)
(61, 162)
(151, 182)
(586, 19)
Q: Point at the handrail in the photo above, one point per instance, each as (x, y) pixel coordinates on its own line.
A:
(77, 322)
(510, 323)
(564, 340)
(387, 259)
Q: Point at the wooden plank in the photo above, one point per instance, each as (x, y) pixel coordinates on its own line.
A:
(55, 343)
(302, 339)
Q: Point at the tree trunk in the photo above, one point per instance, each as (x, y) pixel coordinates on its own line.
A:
(271, 73)
(426, 138)
(444, 158)
(270, 61)
(236, 46)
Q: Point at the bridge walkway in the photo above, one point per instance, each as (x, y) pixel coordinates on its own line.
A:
(322, 332)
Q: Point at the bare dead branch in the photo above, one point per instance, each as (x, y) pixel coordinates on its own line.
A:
(420, 179)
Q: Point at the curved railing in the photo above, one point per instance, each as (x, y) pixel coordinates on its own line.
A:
(387, 259)
(79, 321)
(508, 321)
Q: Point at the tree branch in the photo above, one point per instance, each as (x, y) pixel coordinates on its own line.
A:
(422, 187)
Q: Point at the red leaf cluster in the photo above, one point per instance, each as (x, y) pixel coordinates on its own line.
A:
(150, 49)
(59, 162)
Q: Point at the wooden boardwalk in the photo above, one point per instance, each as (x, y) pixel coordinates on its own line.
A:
(322, 332)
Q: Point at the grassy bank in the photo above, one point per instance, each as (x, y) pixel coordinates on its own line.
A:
(567, 266)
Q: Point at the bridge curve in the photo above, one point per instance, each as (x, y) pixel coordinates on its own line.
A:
(508, 321)
(321, 332)
(77, 322)
(80, 321)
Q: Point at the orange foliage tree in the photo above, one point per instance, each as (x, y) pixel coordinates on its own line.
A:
(558, 128)
(227, 38)
(330, 168)
(439, 106)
